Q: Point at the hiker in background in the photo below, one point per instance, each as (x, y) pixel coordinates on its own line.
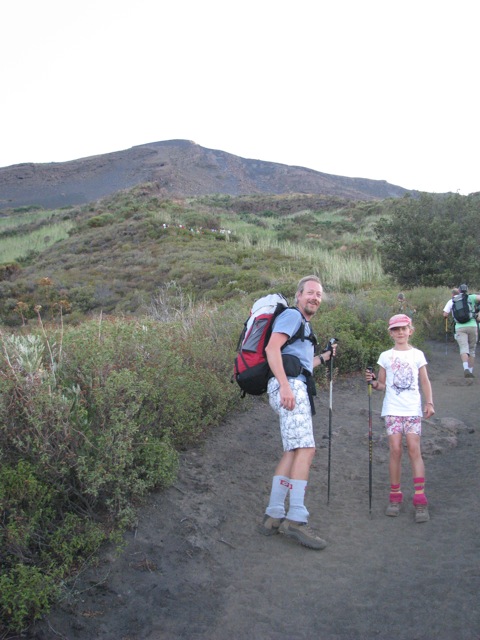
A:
(462, 307)
(450, 325)
(455, 292)
(291, 398)
(402, 306)
(400, 371)
(477, 318)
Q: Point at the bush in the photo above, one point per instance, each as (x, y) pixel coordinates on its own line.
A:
(101, 220)
(26, 593)
(359, 322)
(38, 547)
(426, 241)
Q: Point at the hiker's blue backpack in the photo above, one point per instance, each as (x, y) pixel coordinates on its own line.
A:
(462, 310)
(251, 370)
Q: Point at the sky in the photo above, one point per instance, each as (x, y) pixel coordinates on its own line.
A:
(378, 89)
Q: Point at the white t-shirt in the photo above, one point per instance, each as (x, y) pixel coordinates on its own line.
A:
(402, 392)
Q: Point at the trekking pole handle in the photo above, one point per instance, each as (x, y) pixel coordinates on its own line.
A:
(374, 377)
(330, 344)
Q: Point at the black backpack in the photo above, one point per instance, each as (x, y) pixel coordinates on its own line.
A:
(461, 308)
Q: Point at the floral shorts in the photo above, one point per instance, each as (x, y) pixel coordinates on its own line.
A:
(403, 425)
(296, 426)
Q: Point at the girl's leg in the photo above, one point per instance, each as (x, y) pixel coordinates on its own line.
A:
(395, 465)
(418, 468)
(396, 497)
(415, 454)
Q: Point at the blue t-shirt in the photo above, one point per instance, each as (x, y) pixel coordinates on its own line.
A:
(289, 322)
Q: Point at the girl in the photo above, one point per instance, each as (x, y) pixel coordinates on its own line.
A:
(400, 370)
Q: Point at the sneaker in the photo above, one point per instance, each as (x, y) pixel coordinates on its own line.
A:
(269, 526)
(301, 532)
(468, 374)
(421, 513)
(393, 509)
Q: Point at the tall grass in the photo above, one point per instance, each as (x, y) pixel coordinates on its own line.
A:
(18, 246)
(19, 219)
(338, 270)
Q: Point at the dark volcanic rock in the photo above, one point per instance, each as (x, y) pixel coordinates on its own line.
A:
(177, 168)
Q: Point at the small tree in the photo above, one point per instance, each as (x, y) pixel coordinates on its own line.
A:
(433, 241)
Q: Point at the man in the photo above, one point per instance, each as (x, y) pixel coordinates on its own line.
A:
(291, 397)
(466, 333)
(402, 306)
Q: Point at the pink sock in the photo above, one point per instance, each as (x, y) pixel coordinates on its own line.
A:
(419, 497)
(395, 493)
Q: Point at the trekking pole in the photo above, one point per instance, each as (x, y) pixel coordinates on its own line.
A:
(446, 335)
(331, 342)
(370, 444)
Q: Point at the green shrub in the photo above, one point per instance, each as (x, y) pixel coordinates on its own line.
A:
(73, 541)
(101, 220)
(26, 594)
(27, 507)
(38, 547)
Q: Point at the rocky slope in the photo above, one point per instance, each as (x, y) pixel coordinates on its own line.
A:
(177, 168)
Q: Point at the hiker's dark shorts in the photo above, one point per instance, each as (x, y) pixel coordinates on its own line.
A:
(296, 426)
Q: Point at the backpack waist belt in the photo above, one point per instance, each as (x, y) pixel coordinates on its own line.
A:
(311, 388)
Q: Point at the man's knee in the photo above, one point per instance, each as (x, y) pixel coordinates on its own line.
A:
(305, 453)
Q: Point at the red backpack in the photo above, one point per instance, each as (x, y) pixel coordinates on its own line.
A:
(250, 369)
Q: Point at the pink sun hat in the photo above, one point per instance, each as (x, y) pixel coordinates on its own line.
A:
(400, 320)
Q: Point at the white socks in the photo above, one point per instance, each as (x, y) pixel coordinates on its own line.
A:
(280, 488)
(297, 511)
(276, 505)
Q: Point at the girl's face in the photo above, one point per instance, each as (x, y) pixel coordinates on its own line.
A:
(400, 335)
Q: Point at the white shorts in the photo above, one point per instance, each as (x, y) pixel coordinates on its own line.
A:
(296, 426)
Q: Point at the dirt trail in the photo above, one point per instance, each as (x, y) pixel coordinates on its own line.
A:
(195, 568)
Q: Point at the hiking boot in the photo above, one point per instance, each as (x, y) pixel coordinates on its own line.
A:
(421, 513)
(269, 526)
(393, 509)
(468, 374)
(302, 533)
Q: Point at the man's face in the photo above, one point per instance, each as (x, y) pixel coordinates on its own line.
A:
(309, 300)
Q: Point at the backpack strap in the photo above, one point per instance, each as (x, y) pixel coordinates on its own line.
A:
(300, 334)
